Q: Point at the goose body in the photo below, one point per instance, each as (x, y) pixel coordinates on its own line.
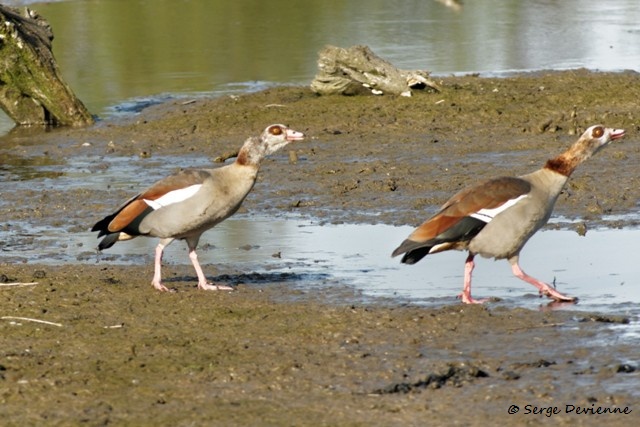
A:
(497, 217)
(190, 202)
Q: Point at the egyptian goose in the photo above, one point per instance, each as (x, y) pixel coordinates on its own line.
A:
(495, 218)
(188, 203)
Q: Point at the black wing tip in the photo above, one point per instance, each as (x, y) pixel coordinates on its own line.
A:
(413, 251)
(103, 225)
(415, 255)
(108, 241)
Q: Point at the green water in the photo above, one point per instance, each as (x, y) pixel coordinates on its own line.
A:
(114, 51)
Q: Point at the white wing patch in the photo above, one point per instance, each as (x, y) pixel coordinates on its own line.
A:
(487, 215)
(174, 196)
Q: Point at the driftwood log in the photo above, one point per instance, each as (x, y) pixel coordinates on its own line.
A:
(357, 70)
(32, 91)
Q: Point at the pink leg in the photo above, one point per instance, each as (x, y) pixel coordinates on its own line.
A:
(157, 275)
(543, 288)
(465, 296)
(202, 280)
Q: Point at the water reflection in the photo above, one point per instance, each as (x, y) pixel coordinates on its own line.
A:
(19, 168)
(593, 267)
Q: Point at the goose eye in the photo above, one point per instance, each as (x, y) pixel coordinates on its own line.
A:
(275, 130)
(597, 132)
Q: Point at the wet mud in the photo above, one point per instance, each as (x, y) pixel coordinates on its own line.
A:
(273, 352)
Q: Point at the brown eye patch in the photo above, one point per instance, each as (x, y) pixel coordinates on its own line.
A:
(597, 132)
(275, 130)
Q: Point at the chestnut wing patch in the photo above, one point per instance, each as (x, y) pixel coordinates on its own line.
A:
(127, 215)
(488, 198)
(172, 189)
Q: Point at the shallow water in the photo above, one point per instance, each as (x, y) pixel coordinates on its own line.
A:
(309, 254)
(597, 268)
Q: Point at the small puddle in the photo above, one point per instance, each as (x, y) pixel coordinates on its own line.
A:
(20, 169)
(597, 267)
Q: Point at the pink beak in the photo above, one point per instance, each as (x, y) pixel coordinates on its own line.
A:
(617, 133)
(293, 135)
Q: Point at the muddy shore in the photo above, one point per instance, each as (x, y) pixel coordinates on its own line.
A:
(119, 353)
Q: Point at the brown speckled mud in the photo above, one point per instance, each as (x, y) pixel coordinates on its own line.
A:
(119, 353)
